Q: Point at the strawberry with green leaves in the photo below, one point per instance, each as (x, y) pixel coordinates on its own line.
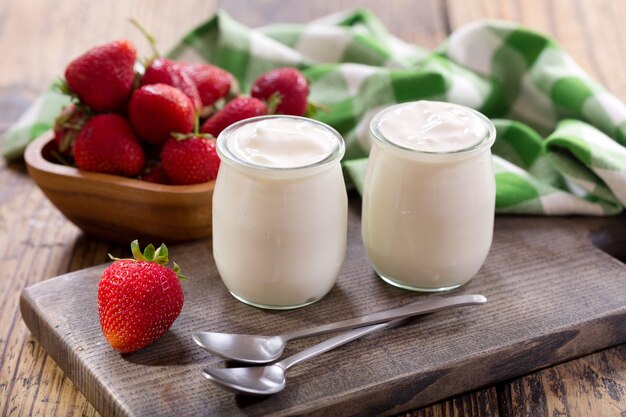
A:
(190, 160)
(107, 144)
(237, 109)
(157, 110)
(103, 77)
(67, 126)
(139, 299)
(213, 82)
(160, 70)
(284, 89)
(165, 71)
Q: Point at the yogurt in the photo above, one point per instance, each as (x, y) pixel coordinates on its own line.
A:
(432, 126)
(429, 195)
(282, 142)
(279, 211)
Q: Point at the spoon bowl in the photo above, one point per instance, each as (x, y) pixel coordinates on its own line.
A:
(255, 380)
(243, 348)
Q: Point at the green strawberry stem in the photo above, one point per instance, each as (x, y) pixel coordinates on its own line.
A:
(71, 126)
(196, 131)
(196, 122)
(235, 89)
(312, 108)
(273, 101)
(60, 158)
(159, 256)
(61, 86)
(138, 74)
(151, 40)
(176, 269)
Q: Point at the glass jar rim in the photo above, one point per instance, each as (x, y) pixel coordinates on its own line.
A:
(225, 153)
(485, 142)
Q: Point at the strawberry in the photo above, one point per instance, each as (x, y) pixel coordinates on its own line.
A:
(190, 160)
(157, 110)
(165, 71)
(103, 77)
(139, 299)
(155, 173)
(212, 82)
(288, 86)
(66, 128)
(107, 144)
(238, 109)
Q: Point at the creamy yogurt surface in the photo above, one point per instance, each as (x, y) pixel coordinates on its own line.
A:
(432, 126)
(281, 142)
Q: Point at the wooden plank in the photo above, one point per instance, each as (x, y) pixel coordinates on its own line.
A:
(483, 403)
(552, 296)
(19, 200)
(593, 385)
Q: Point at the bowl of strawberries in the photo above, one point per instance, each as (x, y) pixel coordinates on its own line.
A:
(133, 156)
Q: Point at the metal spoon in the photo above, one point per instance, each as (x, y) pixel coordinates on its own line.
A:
(265, 349)
(270, 379)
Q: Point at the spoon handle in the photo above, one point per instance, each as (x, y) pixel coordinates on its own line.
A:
(332, 343)
(420, 307)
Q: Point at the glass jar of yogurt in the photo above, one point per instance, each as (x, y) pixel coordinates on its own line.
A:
(279, 210)
(429, 195)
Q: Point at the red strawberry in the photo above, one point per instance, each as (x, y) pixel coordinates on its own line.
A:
(66, 128)
(191, 160)
(288, 85)
(155, 173)
(165, 71)
(103, 77)
(157, 110)
(107, 144)
(139, 299)
(212, 82)
(238, 109)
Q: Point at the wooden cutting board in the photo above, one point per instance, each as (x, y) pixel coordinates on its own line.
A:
(552, 295)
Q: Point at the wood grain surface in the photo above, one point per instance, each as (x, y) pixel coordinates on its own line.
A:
(38, 38)
(539, 313)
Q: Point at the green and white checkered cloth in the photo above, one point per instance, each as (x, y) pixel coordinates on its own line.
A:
(560, 135)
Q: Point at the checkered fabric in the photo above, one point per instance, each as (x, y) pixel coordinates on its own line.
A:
(560, 135)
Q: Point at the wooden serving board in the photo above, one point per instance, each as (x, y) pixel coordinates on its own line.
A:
(552, 295)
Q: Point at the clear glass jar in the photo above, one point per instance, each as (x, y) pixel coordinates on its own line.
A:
(427, 219)
(279, 234)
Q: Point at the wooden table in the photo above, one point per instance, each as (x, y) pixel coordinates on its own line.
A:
(38, 38)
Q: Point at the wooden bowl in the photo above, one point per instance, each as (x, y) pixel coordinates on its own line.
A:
(121, 209)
